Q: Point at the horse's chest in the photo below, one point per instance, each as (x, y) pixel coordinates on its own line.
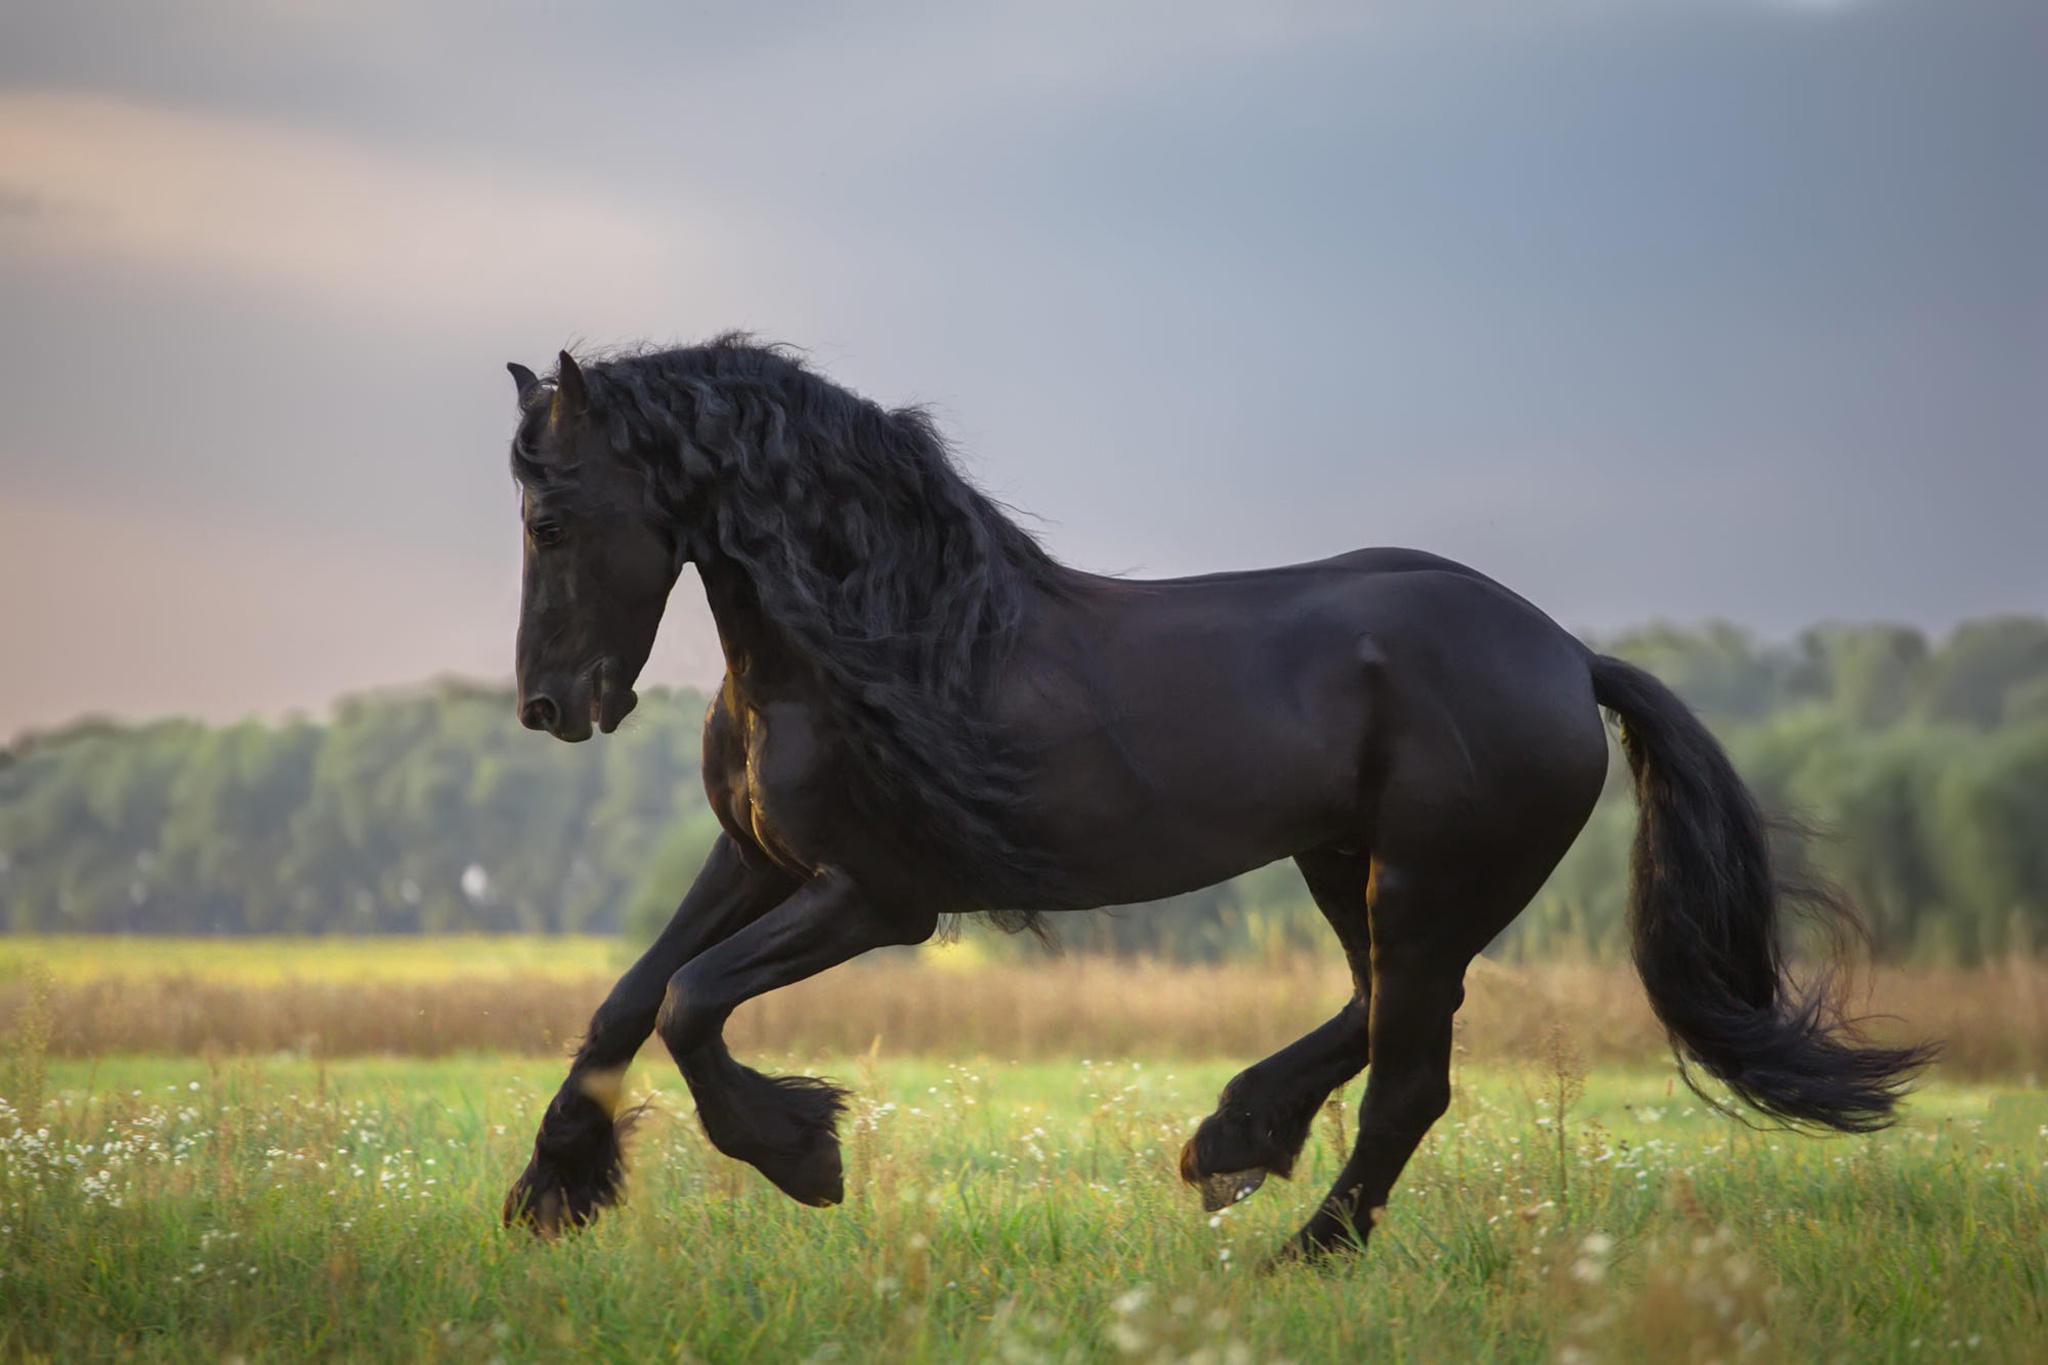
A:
(788, 794)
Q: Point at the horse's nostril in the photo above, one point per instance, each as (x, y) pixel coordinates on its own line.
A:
(540, 714)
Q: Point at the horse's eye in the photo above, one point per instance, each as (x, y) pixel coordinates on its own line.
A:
(545, 532)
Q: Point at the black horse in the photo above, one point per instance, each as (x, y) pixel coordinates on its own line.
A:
(924, 713)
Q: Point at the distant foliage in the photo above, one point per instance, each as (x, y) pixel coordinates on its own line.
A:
(1925, 768)
(1923, 771)
(423, 812)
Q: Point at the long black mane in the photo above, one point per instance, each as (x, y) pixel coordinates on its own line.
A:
(896, 578)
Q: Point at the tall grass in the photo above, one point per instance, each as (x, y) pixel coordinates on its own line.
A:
(426, 998)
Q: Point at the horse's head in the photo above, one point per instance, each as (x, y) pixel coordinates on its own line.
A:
(599, 563)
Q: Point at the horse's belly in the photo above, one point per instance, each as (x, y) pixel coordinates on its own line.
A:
(1208, 781)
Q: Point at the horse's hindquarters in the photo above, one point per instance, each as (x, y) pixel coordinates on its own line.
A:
(1182, 733)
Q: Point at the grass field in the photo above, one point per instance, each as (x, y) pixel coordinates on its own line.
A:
(1008, 1201)
(168, 1209)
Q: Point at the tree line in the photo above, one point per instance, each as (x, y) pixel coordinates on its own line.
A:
(429, 811)
(1923, 764)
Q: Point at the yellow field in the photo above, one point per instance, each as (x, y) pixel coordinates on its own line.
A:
(442, 996)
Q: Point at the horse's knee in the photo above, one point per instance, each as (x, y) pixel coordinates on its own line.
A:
(688, 1018)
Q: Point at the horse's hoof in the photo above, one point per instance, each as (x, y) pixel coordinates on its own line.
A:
(1327, 1237)
(547, 1203)
(1224, 1188)
(816, 1178)
(1287, 1257)
(539, 1214)
(1296, 1254)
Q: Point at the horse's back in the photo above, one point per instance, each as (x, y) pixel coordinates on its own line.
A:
(1215, 723)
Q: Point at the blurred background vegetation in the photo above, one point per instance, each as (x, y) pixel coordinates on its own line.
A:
(1923, 764)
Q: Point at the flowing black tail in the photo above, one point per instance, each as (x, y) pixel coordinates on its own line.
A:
(1704, 910)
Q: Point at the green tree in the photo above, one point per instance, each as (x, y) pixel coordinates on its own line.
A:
(1870, 674)
(1718, 668)
(1982, 664)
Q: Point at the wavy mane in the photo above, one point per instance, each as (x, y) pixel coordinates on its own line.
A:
(896, 578)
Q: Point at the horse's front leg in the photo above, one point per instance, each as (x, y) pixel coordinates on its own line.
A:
(782, 1125)
(576, 1166)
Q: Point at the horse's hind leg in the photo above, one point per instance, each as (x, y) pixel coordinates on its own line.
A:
(1264, 1114)
(1426, 927)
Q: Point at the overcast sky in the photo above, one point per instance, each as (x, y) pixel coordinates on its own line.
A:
(1649, 308)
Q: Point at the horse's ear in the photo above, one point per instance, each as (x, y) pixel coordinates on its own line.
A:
(526, 379)
(572, 395)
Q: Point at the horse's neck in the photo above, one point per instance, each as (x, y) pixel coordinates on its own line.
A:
(757, 653)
